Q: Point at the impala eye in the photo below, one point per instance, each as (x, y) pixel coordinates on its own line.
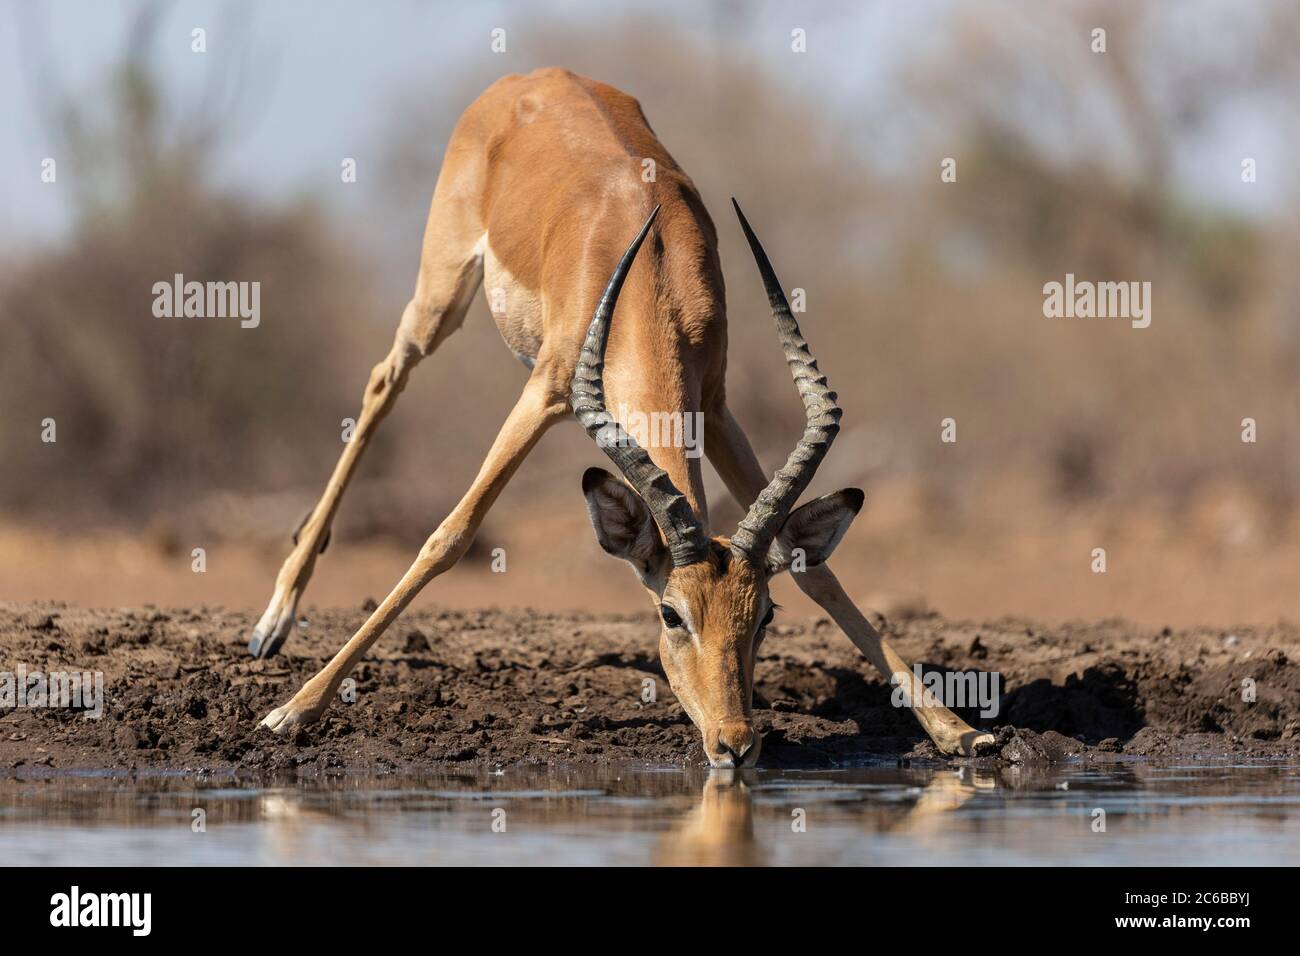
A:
(767, 618)
(671, 617)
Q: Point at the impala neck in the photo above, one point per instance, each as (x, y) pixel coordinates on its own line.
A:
(659, 396)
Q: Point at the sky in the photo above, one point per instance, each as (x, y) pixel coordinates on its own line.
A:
(323, 77)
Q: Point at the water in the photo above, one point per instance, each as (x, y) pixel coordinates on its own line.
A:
(870, 815)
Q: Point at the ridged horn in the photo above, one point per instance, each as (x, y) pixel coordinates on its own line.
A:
(822, 413)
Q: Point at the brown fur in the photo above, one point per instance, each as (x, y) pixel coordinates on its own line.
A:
(542, 187)
(713, 673)
(559, 241)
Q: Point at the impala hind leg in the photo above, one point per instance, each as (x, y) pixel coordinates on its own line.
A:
(450, 272)
(539, 407)
(387, 379)
(730, 452)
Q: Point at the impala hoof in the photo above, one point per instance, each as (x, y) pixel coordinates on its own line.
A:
(285, 720)
(273, 629)
(265, 644)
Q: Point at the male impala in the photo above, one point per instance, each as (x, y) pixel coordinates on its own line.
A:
(541, 190)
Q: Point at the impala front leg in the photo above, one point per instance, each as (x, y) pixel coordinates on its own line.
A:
(950, 733)
(731, 454)
(536, 411)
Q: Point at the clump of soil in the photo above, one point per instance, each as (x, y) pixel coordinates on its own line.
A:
(506, 687)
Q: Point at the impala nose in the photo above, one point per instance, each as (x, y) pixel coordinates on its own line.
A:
(735, 737)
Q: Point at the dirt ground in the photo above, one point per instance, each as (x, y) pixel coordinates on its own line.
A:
(505, 687)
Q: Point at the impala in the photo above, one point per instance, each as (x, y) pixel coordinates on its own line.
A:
(541, 192)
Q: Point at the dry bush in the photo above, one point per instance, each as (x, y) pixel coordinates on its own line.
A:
(924, 299)
(155, 414)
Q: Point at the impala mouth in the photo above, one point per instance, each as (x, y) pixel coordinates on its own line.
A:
(726, 757)
(728, 761)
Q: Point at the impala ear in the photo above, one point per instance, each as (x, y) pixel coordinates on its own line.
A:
(623, 524)
(811, 532)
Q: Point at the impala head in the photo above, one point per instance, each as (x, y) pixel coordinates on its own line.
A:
(711, 593)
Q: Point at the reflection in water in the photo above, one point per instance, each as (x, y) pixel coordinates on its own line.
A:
(720, 831)
(867, 815)
(944, 794)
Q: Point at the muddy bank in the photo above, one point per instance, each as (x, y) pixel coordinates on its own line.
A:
(507, 687)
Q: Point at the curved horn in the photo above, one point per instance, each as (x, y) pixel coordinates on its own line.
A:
(770, 508)
(668, 506)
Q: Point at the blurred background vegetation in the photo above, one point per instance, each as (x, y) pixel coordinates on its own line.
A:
(924, 298)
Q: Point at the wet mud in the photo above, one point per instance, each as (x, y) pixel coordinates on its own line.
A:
(498, 688)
